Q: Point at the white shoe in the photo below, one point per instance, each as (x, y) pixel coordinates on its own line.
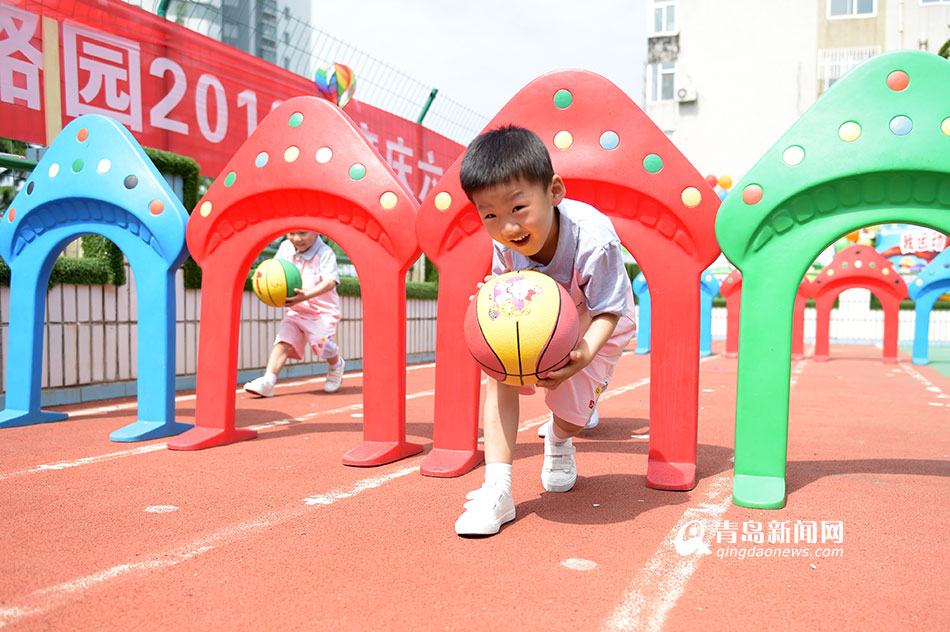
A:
(487, 509)
(559, 472)
(260, 386)
(334, 377)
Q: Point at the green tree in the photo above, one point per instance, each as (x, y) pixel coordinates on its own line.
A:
(945, 50)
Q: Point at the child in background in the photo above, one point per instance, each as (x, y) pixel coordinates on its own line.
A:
(508, 176)
(312, 315)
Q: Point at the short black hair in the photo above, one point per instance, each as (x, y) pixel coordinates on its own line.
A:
(502, 155)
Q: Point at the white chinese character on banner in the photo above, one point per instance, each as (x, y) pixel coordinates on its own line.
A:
(431, 173)
(779, 532)
(17, 41)
(806, 531)
(396, 154)
(370, 136)
(727, 532)
(112, 72)
(752, 532)
(922, 241)
(832, 531)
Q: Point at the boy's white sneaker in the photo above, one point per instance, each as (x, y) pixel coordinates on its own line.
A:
(334, 377)
(260, 386)
(488, 508)
(559, 472)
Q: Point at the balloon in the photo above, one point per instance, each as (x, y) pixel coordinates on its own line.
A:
(725, 182)
(711, 180)
(335, 82)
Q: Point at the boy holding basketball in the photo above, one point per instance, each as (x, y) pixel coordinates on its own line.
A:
(508, 176)
(312, 315)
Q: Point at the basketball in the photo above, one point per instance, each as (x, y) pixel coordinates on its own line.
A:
(275, 280)
(521, 326)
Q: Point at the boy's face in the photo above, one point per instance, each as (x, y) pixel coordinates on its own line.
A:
(520, 215)
(302, 239)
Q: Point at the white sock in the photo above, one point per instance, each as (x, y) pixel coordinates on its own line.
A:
(498, 475)
(553, 435)
(270, 378)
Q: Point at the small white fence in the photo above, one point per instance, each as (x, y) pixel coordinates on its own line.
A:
(90, 348)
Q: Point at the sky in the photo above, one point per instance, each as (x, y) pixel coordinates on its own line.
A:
(480, 53)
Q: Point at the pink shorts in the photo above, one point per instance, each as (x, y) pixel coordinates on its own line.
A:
(299, 332)
(574, 400)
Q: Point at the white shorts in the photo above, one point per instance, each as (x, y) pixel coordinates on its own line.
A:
(574, 400)
(299, 332)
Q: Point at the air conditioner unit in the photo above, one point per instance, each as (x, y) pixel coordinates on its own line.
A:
(685, 93)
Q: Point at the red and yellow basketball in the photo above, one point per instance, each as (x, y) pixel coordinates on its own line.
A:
(521, 326)
(275, 281)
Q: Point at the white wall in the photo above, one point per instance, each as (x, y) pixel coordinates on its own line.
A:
(752, 63)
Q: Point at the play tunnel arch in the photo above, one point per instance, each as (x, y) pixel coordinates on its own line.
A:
(306, 167)
(871, 150)
(931, 283)
(95, 178)
(731, 290)
(709, 289)
(858, 267)
(611, 155)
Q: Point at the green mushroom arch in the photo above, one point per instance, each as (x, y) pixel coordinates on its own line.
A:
(874, 149)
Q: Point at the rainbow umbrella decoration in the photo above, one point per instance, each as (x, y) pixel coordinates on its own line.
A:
(336, 83)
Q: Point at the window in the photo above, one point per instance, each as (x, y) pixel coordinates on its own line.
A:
(934, 1)
(833, 63)
(663, 17)
(660, 81)
(852, 8)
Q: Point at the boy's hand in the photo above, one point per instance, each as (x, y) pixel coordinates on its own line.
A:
(300, 297)
(487, 278)
(580, 358)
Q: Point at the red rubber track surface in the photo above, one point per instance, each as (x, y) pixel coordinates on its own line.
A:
(276, 534)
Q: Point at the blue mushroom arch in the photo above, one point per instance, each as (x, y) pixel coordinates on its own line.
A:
(95, 179)
(709, 286)
(931, 283)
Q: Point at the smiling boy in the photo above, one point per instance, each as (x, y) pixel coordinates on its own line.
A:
(508, 176)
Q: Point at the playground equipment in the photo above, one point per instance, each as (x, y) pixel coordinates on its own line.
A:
(871, 150)
(644, 324)
(306, 167)
(612, 156)
(95, 178)
(732, 291)
(709, 288)
(931, 283)
(858, 267)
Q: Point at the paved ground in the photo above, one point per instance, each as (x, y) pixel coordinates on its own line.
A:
(276, 534)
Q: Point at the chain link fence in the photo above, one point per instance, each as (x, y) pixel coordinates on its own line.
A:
(270, 30)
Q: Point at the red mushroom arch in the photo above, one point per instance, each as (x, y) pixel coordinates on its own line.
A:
(731, 290)
(859, 267)
(306, 166)
(611, 155)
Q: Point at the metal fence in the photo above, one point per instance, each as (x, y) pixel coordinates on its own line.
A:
(274, 33)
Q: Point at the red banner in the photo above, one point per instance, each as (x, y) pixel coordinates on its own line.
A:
(172, 88)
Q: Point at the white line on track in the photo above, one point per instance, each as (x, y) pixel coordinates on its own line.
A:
(184, 398)
(663, 579)
(91, 460)
(46, 599)
(927, 384)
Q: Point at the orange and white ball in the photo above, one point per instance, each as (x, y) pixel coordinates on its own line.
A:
(521, 326)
